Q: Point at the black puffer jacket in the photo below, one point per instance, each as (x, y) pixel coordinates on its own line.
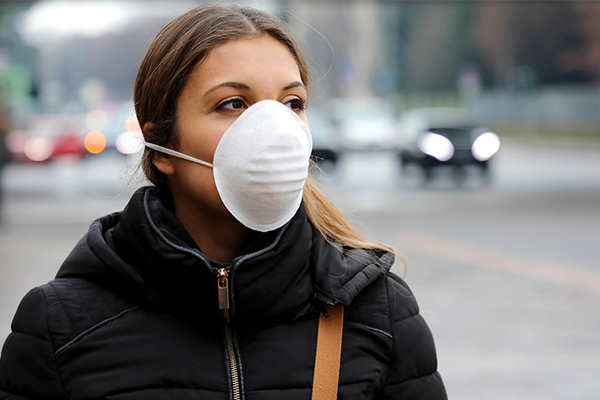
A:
(133, 314)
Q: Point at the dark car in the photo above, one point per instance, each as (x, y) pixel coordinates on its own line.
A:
(434, 137)
(325, 147)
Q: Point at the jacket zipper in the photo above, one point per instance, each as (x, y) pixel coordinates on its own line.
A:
(223, 295)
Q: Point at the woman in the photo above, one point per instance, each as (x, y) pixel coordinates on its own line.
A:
(210, 283)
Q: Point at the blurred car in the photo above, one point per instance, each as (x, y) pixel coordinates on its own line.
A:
(325, 140)
(46, 137)
(433, 137)
(364, 123)
(115, 126)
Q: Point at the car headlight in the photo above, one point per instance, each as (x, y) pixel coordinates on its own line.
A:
(485, 146)
(95, 142)
(436, 145)
(129, 142)
(38, 149)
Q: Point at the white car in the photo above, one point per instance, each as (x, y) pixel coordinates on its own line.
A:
(367, 123)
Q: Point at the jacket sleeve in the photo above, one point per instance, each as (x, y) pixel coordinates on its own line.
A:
(413, 373)
(27, 367)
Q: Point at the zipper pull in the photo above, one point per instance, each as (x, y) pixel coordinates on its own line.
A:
(223, 289)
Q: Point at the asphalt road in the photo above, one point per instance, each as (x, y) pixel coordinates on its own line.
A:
(507, 273)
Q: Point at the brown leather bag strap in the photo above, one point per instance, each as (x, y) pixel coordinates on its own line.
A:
(329, 353)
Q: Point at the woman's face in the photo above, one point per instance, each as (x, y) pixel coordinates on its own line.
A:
(230, 79)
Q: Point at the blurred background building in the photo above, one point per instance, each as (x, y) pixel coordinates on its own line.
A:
(511, 63)
(524, 68)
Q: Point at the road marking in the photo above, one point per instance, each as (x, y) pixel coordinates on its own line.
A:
(512, 361)
(488, 257)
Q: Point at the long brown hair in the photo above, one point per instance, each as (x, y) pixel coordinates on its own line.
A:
(164, 71)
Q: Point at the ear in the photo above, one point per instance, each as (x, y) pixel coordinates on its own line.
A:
(162, 162)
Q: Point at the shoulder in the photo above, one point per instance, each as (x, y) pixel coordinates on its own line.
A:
(69, 307)
(389, 304)
(385, 302)
(388, 308)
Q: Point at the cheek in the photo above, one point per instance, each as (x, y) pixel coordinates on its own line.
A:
(196, 182)
(201, 140)
(210, 145)
(214, 133)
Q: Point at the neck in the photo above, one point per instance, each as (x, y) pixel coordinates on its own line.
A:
(220, 238)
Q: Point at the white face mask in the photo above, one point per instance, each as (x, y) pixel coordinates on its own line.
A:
(260, 165)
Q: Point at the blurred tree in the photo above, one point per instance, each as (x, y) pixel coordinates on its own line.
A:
(14, 83)
(431, 43)
(342, 42)
(584, 56)
(427, 53)
(542, 32)
(544, 36)
(16, 59)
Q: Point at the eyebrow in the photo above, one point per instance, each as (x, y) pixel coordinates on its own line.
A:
(235, 85)
(295, 84)
(242, 86)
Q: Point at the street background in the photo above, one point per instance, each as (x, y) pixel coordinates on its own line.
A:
(506, 269)
(507, 275)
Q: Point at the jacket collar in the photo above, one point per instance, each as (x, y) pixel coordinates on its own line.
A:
(146, 252)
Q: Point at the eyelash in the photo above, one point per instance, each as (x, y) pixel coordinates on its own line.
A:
(222, 105)
(299, 107)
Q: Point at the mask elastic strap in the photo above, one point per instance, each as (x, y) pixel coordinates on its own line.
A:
(176, 153)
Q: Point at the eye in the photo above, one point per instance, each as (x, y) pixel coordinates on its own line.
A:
(232, 104)
(296, 104)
